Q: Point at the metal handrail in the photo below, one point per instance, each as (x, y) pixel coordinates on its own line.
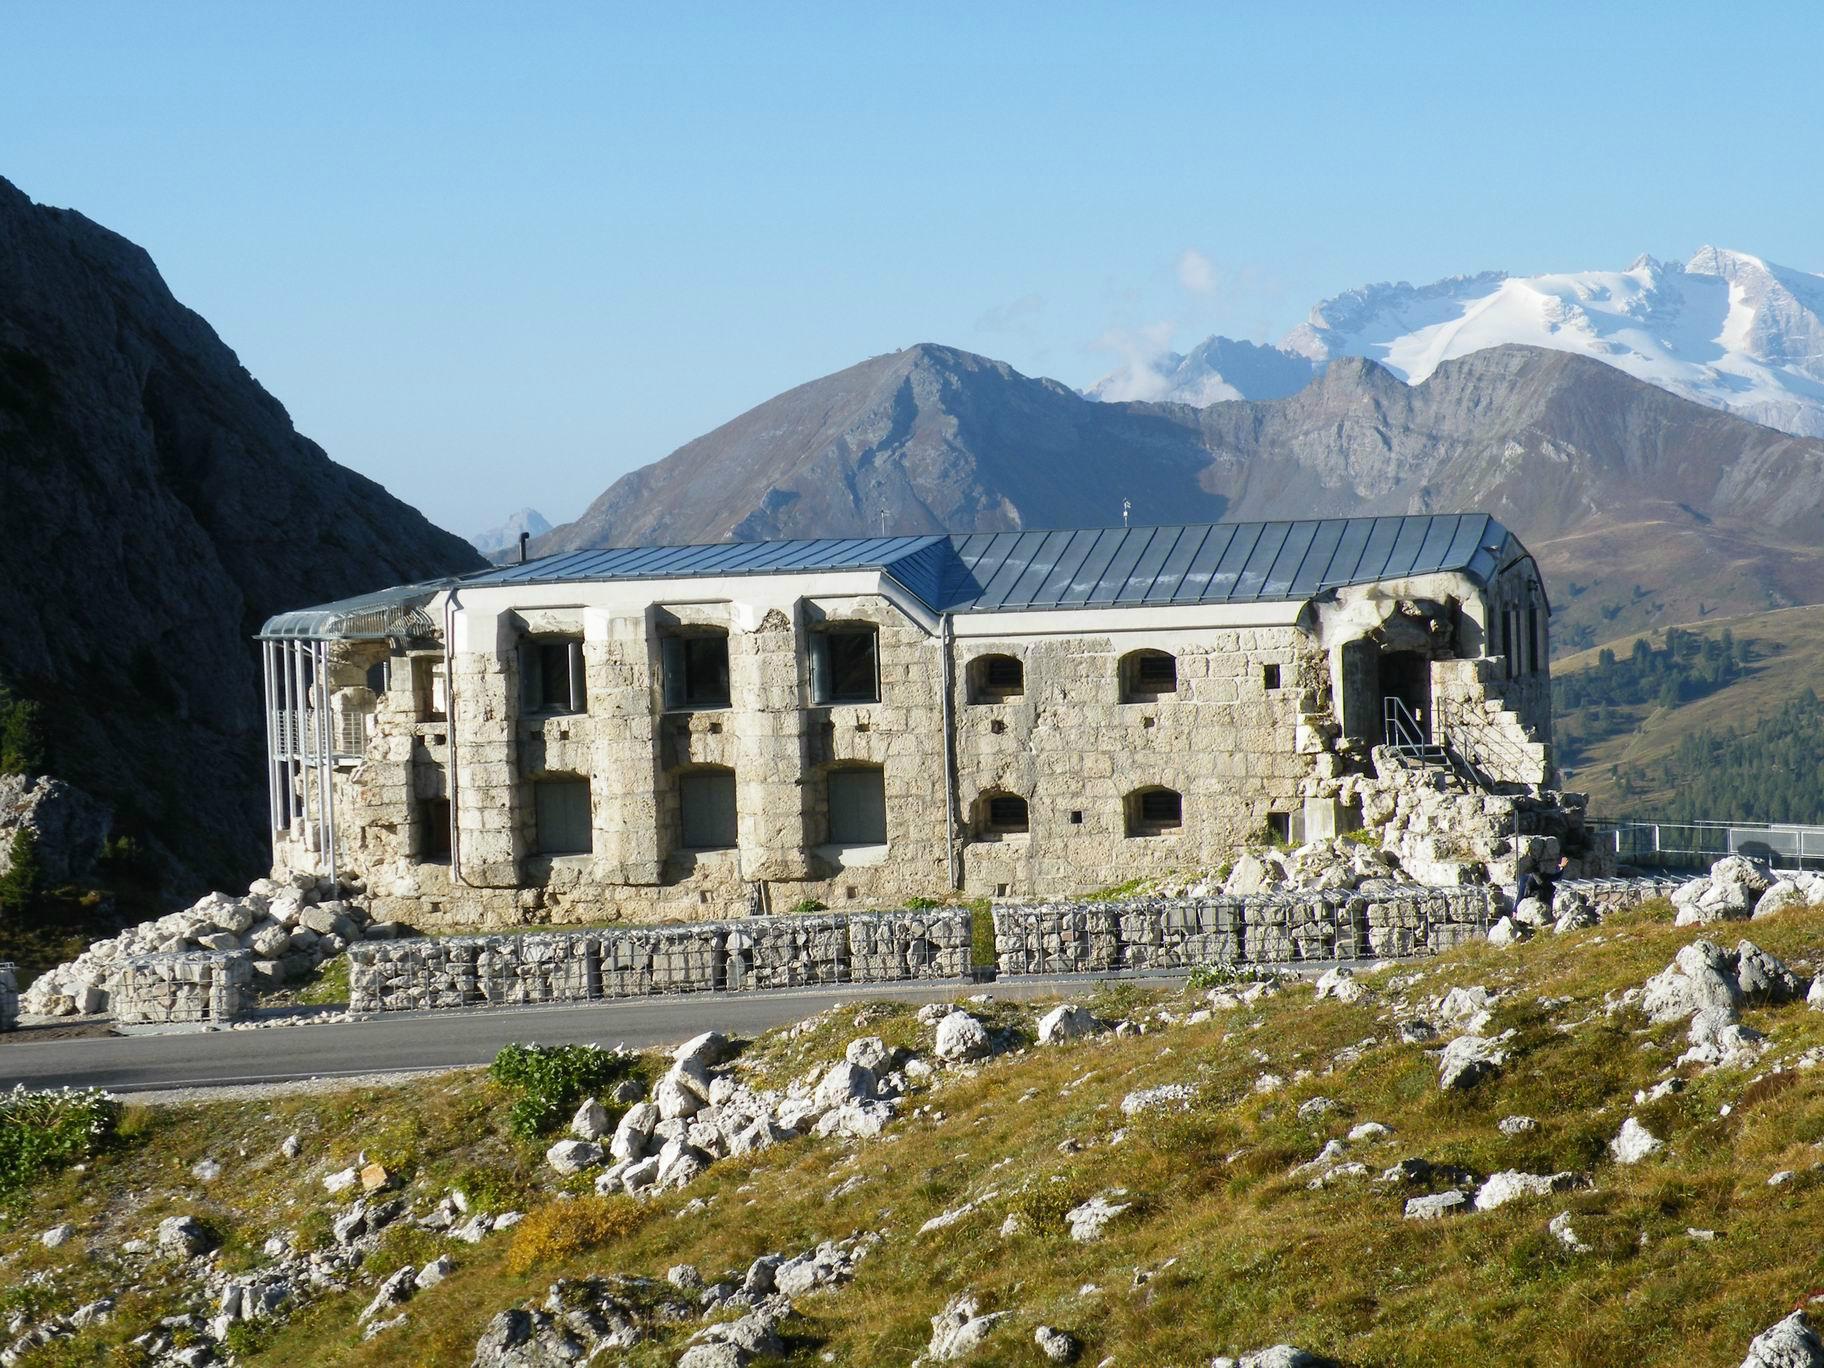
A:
(1400, 728)
(1698, 843)
(1479, 743)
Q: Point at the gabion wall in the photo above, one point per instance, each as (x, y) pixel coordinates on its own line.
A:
(1182, 933)
(212, 986)
(635, 961)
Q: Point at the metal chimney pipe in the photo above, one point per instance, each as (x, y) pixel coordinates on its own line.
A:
(524, 537)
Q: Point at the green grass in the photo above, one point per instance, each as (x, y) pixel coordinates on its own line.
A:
(327, 984)
(1240, 1252)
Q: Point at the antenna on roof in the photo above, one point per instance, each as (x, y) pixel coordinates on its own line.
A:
(1127, 506)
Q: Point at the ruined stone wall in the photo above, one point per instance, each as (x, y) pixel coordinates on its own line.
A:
(198, 987)
(752, 954)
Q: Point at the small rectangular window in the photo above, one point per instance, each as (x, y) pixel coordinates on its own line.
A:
(1161, 807)
(1533, 651)
(430, 690)
(561, 817)
(1076, 817)
(1279, 827)
(706, 799)
(434, 831)
(845, 666)
(696, 671)
(858, 806)
(1269, 676)
(552, 675)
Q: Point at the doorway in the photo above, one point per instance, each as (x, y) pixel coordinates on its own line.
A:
(1405, 679)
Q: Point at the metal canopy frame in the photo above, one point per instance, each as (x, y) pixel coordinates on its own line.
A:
(300, 741)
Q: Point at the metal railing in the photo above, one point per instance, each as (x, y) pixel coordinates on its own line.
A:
(1689, 845)
(1466, 732)
(1401, 729)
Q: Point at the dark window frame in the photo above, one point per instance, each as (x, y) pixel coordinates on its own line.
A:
(1155, 810)
(992, 681)
(836, 774)
(694, 673)
(688, 780)
(838, 675)
(996, 814)
(553, 680)
(1148, 675)
(543, 792)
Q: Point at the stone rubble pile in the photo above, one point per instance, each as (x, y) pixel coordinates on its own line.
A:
(1581, 903)
(1443, 831)
(634, 961)
(1375, 918)
(1739, 888)
(1709, 986)
(287, 926)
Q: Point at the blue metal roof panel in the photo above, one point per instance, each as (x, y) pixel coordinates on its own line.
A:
(1291, 556)
(1172, 573)
(1152, 560)
(1308, 578)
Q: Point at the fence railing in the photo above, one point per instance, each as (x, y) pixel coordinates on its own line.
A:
(1691, 845)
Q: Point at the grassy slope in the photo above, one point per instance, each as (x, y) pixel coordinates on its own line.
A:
(1797, 632)
(1259, 1258)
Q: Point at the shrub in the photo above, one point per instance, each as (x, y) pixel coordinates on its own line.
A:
(21, 735)
(41, 1132)
(921, 904)
(1207, 976)
(23, 876)
(562, 1230)
(804, 905)
(552, 1080)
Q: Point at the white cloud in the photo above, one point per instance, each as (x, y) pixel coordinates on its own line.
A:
(1195, 272)
(1145, 354)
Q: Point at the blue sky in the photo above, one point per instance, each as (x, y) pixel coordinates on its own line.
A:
(500, 254)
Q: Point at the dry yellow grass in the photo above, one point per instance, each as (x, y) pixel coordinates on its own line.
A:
(1225, 1249)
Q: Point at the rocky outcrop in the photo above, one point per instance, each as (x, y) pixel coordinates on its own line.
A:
(68, 827)
(156, 505)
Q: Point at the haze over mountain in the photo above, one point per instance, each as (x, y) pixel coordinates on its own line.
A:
(1642, 506)
(156, 506)
(1724, 329)
(501, 542)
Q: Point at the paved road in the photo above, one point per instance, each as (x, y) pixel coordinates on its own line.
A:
(442, 1040)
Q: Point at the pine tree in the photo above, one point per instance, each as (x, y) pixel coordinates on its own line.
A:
(20, 881)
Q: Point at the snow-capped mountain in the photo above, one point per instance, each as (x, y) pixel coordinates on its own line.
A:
(1725, 329)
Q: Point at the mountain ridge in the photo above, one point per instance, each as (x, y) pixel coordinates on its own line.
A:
(1723, 328)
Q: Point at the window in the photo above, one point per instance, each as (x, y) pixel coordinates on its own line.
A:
(706, 802)
(844, 666)
(1269, 676)
(996, 678)
(695, 666)
(858, 805)
(1279, 827)
(434, 831)
(551, 675)
(379, 677)
(1533, 651)
(1001, 814)
(1154, 811)
(1146, 676)
(560, 812)
(430, 691)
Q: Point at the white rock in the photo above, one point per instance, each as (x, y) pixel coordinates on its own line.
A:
(1469, 1059)
(707, 1050)
(675, 1099)
(843, 1084)
(1279, 1356)
(1088, 1221)
(1634, 1143)
(590, 1121)
(434, 1272)
(341, 1180)
(870, 1053)
(960, 1036)
(1431, 1207)
(960, 1328)
(1559, 1227)
(1790, 1343)
(57, 1236)
(1056, 1345)
(1340, 983)
(573, 1156)
(1173, 1095)
(1505, 931)
(1066, 1022)
(1369, 1130)
(1511, 1185)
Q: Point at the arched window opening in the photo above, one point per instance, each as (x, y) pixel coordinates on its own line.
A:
(1147, 676)
(1001, 814)
(1154, 811)
(996, 679)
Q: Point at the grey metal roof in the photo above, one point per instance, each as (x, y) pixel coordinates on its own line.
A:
(396, 612)
(1259, 562)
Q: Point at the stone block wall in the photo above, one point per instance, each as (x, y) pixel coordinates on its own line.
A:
(636, 961)
(203, 986)
(1183, 933)
(9, 998)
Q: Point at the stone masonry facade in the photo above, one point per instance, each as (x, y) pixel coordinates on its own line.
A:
(1009, 754)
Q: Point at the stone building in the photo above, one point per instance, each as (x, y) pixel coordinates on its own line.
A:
(684, 732)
